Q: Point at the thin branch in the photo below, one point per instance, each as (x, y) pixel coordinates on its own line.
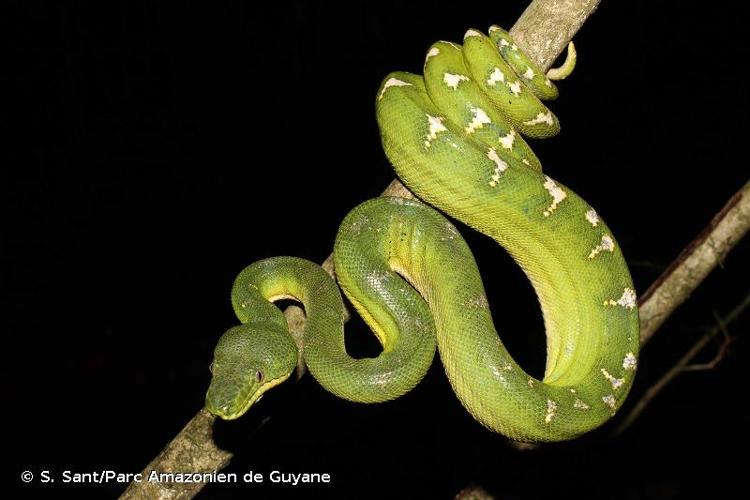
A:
(726, 340)
(543, 31)
(683, 364)
(692, 266)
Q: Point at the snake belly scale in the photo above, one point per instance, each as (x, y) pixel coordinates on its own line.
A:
(454, 137)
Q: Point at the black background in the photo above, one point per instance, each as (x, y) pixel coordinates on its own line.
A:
(154, 150)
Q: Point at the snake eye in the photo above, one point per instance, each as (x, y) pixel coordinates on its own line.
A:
(259, 376)
(211, 367)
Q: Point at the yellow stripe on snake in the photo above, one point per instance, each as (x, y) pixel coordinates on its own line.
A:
(454, 137)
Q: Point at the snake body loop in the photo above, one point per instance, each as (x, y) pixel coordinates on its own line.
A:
(454, 137)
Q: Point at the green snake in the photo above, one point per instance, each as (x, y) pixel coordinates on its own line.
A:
(454, 138)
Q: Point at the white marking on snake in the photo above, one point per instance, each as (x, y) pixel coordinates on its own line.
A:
(616, 382)
(454, 45)
(479, 120)
(514, 47)
(436, 126)
(495, 76)
(452, 80)
(556, 193)
(393, 82)
(515, 87)
(498, 374)
(507, 367)
(500, 166)
(503, 42)
(529, 73)
(453, 232)
(630, 362)
(530, 382)
(541, 117)
(607, 244)
(627, 300)
(610, 400)
(375, 277)
(494, 28)
(381, 379)
(592, 217)
(507, 140)
(551, 409)
(525, 162)
(479, 301)
(432, 53)
(580, 405)
(358, 223)
(547, 82)
(471, 32)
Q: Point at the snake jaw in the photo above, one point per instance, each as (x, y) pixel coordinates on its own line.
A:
(239, 405)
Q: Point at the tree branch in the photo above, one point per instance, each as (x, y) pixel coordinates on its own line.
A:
(192, 450)
(473, 492)
(543, 31)
(683, 365)
(694, 263)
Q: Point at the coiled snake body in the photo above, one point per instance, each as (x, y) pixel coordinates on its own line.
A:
(454, 138)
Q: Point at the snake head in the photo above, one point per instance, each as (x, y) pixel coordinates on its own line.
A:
(248, 360)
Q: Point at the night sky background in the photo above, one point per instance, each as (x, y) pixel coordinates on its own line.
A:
(154, 150)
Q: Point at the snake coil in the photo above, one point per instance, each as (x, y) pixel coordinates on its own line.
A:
(454, 138)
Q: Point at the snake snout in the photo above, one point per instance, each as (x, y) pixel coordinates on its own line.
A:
(226, 404)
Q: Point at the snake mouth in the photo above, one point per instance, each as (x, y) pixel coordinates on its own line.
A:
(234, 407)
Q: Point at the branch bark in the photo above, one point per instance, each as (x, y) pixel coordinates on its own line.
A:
(694, 263)
(543, 31)
(192, 450)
